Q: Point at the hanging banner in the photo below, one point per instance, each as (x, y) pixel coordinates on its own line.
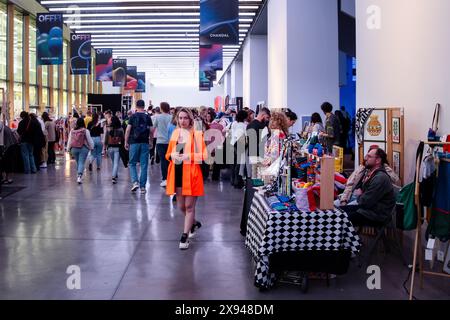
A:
(104, 64)
(80, 54)
(141, 83)
(119, 72)
(205, 83)
(49, 39)
(211, 58)
(219, 22)
(131, 78)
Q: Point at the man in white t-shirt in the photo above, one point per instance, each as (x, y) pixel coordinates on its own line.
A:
(161, 123)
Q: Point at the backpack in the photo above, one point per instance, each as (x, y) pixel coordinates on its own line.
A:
(141, 131)
(78, 138)
(114, 138)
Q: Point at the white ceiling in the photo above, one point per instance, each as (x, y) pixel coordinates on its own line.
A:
(161, 37)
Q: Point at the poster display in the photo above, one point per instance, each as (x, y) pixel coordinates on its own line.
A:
(219, 22)
(205, 83)
(49, 39)
(375, 129)
(132, 80)
(141, 83)
(211, 58)
(80, 54)
(119, 72)
(104, 64)
(395, 130)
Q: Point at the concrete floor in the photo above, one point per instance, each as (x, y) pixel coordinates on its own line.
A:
(127, 246)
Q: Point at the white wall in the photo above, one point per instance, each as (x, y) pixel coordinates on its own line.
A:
(406, 64)
(182, 96)
(255, 82)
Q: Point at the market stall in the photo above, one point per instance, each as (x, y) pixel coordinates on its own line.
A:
(292, 222)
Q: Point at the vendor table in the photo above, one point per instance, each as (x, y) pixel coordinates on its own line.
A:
(271, 233)
(248, 200)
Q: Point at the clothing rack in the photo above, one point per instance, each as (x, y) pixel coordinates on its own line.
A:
(418, 254)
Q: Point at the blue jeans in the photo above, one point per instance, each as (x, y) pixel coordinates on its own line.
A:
(28, 158)
(80, 155)
(139, 152)
(162, 150)
(115, 157)
(96, 154)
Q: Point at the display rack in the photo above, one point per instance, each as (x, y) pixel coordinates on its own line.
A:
(420, 220)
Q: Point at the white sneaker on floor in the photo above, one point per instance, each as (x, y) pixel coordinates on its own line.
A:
(143, 191)
(135, 187)
(43, 166)
(184, 242)
(80, 180)
(163, 184)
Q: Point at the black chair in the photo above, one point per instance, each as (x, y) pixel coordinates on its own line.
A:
(380, 234)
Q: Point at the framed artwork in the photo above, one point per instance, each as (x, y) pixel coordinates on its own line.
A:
(375, 128)
(396, 162)
(367, 145)
(396, 130)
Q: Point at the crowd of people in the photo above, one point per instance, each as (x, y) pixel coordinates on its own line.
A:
(191, 145)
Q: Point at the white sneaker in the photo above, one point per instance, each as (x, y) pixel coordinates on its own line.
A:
(184, 242)
(44, 165)
(135, 187)
(80, 180)
(143, 191)
(163, 184)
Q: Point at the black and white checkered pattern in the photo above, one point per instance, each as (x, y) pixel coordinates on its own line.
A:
(271, 231)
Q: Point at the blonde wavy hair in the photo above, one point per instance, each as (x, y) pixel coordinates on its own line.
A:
(279, 121)
(189, 113)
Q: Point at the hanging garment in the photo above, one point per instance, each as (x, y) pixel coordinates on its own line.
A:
(427, 179)
(439, 225)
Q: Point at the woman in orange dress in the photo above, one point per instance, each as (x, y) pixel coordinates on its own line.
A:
(186, 153)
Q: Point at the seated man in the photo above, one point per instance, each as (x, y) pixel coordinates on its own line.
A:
(354, 183)
(376, 198)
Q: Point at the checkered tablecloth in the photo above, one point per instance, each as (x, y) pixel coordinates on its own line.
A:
(271, 231)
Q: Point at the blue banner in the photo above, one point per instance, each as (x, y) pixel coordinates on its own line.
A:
(141, 83)
(219, 22)
(49, 39)
(80, 54)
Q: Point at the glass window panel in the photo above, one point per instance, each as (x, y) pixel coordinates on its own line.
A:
(3, 36)
(73, 97)
(18, 47)
(34, 96)
(65, 105)
(33, 64)
(65, 66)
(55, 77)
(44, 76)
(18, 98)
(55, 101)
(45, 97)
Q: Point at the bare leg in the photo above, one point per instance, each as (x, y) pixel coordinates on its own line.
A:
(181, 200)
(190, 213)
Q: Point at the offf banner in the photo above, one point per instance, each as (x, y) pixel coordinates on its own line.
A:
(219, 22)
(49, 39)
(132, 80)
(104, 64)
(211, 58)
(119, 72)
(80, 54)
(205, 82)
(140, 82)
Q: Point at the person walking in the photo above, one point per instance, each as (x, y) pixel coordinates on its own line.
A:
(161, 123)
(80, 142)
(26, 130)
(114, 141)
(50, 128)
(186, 152)
(96, 130)
(138, 141)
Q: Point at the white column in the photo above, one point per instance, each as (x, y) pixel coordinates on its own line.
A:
(402, 61)
(303, 54)
(255, 80)
(236, 79)
(227, 83)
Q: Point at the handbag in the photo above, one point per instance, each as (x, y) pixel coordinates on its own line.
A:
(432, 132)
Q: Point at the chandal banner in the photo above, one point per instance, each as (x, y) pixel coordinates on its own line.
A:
(219, 22)
(80, 54)
(211, 58)
(140, 82)
(131, 78)
(49, 39)
(104, 64)
(119, 72)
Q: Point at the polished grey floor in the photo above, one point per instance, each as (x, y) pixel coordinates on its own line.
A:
(126, 246)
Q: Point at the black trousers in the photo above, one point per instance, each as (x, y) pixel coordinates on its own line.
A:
(51, 152)
(357, 219)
